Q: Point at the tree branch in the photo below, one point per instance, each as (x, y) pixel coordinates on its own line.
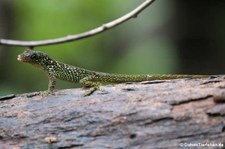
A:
(133, 14)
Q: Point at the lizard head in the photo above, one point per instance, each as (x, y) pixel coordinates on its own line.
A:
(32, 57)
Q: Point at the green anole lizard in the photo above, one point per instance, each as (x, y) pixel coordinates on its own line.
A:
(57, 70)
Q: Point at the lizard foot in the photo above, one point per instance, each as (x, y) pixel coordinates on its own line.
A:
(90, 91)
(46, 93)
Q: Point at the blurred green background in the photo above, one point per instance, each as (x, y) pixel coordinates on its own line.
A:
(168, 37)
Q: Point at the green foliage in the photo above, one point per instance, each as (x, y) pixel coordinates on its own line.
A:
(152, 57)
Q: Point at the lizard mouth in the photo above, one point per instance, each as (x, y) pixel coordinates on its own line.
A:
(20, 58)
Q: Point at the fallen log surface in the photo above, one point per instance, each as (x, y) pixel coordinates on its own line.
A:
(153, 114)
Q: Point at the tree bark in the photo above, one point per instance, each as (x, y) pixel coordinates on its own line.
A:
(151, 114)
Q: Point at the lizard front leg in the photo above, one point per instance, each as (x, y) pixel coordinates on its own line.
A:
(51, 87)
(51, 84)
(91, 82)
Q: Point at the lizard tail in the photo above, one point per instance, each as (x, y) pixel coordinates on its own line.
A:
(173, 76)
(119, 78)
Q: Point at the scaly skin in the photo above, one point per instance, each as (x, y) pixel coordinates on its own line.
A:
(57, 70)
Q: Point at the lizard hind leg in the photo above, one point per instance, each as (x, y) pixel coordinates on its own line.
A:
(89, 82)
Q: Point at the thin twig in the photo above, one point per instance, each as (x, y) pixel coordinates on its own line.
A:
(133, 14)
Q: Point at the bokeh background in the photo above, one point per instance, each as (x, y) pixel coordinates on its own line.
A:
(168, 37)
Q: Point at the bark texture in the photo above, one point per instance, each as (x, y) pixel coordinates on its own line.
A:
(153, 114)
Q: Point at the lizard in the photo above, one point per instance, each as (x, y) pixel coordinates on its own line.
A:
(88, 78)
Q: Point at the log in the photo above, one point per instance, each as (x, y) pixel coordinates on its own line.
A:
(152, 114)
